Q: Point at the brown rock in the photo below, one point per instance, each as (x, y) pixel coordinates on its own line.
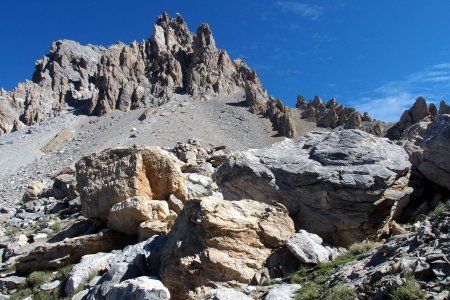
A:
(147, 114)
(69, 251)
(33, 191)
(148, 229)
(126, 216)
(62, 137)
(216, 243)
(112, 176)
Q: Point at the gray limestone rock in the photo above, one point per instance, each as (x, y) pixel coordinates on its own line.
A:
(141, 288)
(333, 184)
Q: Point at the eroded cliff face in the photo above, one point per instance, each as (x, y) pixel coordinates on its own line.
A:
(126, 77)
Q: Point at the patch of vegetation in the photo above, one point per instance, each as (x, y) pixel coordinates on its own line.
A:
(409, 290)
(360, 248)
(438, 211)
(313, 280)
(56, 227)
(12, 231)
(36, 279)
(341, 292)
(309, 291)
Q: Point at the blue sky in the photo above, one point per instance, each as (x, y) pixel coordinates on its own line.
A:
(375, 55)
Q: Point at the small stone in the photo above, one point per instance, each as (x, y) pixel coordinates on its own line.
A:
(50, 286)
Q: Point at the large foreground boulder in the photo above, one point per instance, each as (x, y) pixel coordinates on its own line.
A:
(217, 243)
(340, 185)
(112, 176)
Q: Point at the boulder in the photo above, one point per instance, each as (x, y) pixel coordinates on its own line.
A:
(307, 247)
(33, 191)
(148, 229)
(435, 164)
(198, 185)
(126, 216)
(50, 286)
(112, 176)
(226, 294)
(11, 283)
(217, 243)
(338, 185)
(52, 256)
(142, 259)
(141, 288)
(282, 292)
(89, 265)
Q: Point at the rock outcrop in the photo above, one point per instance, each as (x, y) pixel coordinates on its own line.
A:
(107, 178)
(142, 259)
(341, 185)
(422, 254)
(434, 152)
(52, 256)
(216, 243)
(419, 112)
(97, 80)
(334, 115)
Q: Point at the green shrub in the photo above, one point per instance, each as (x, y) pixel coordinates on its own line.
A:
(37, 278)
(360, 248)
(409, 290)
(341, 292)
(309, 291)
(437, 211)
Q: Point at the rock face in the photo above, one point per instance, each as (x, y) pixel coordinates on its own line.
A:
(134, 261)
(334, 115)
(419, 112)
(107, 178)
(216, 243)
(423, 253)
(97, 80)
(340, 185)
(435, 158)
(89, 264)
(51, 256)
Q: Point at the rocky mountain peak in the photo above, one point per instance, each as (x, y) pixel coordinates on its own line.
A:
(96, 80)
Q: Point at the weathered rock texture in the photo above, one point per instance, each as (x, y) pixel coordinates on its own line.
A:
(97, 79)
(126, 216)
(433, 155)
(112, 176)
(216, 243)
(334, 115)
(141, 288)
(423, 253)
(419, 112)
(52, 256)
(340, 185)
(134, 261)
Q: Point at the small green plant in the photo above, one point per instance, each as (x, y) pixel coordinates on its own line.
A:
(12, 231)
(313, 279)
(309, 291)
(341, 292)
(56, 227)
(37, 278)
(437, 211)
(360, 248)
(409, 290)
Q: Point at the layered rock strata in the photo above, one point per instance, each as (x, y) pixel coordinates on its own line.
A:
(341, 185)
